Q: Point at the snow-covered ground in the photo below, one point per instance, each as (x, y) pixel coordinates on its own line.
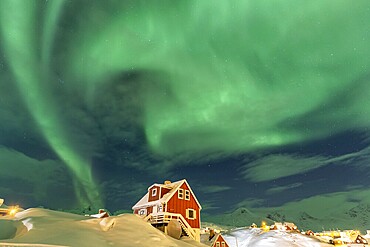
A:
(258, 238)
(41, 227)
(318, 218)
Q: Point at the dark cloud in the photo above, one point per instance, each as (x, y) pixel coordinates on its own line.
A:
(214, 188)
(278, 166)
(29, 181)
(279, 189)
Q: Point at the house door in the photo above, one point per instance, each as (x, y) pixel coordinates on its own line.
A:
(155, 209)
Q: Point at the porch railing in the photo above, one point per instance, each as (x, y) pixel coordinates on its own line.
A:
(164, 217)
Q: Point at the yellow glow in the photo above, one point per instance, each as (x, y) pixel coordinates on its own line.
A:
(265, 227)
(13, 210)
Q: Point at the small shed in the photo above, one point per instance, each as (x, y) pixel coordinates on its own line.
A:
(219, 241)
(289, 226)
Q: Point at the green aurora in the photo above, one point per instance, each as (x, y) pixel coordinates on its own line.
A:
(30, 69)
(232, 77)
(239, 72)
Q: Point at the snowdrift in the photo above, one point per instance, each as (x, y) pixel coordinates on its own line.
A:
(10, 229)
(258, 238)
(42, 227)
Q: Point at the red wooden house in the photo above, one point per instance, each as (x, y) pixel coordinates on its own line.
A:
(219, 241)
(171, 201)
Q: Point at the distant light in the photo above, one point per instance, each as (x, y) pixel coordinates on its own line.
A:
(13, 210)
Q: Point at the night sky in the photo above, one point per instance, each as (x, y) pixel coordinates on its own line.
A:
(256, 103)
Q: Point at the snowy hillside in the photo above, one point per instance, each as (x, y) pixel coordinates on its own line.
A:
(239, 218)
(41, 227)
(353, 218)
(258, 238)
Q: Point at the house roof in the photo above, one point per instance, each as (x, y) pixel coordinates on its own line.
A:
(214, 239)
(173, 189)
(158, 185)
(290, 224)
(99, 216)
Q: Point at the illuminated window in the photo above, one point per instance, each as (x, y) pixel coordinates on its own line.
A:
(218, 244)
(180, 194)
(191, 214)
(223, 244)
(154, 192)
(187, 195)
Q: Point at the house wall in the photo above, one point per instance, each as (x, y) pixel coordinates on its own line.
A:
(149, 210)
(220, 239)
(156, 197)
(176, 205)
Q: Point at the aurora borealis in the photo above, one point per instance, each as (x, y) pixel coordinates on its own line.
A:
(268, 99)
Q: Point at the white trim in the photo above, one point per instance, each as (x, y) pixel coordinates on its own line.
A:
(160, 192)
(180, 183)
(174, 188)
(200, 207)
(182, 193)
(142, 211)
(154, 192)
(187, 195)
(155, 209)
(194, 214)
(156, 185)
(218, 239)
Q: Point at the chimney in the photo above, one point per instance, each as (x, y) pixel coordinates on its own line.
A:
(167, 182)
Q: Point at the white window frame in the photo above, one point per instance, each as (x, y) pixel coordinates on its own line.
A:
(180, 192)
(187, 195)
(217, 244)
(194, 214)
(142, 211)
(223, 244)
(154, 192)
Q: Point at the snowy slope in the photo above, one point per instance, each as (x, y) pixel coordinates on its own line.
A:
(41, 226)
(258, 238)
(239, 218)
(357, 217)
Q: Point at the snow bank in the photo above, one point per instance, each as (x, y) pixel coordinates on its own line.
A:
(258, 238)
(10, 229)
(52, 228)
